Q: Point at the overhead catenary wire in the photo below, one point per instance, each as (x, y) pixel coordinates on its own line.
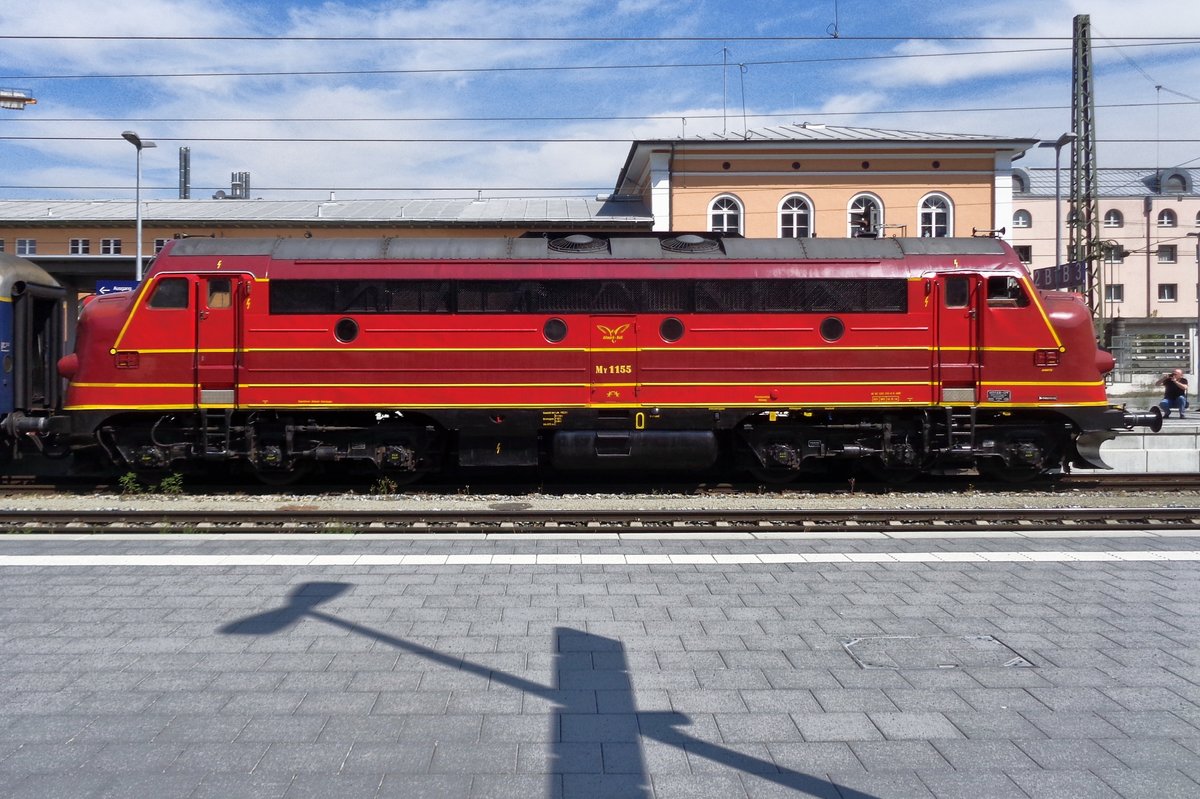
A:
(553, 68)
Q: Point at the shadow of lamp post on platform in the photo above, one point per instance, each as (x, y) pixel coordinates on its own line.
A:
(577, 716)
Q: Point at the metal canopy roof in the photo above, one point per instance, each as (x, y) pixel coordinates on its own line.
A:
(526, 211)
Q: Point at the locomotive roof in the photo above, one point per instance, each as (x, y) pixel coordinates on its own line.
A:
(581, 247)
(18, 270)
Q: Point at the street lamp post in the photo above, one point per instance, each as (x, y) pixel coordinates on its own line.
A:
(139, 144)
(1058, 144)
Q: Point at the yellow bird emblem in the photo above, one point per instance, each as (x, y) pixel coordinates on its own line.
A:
(613, 334)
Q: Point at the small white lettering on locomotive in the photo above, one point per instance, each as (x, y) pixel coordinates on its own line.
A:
(999, 395)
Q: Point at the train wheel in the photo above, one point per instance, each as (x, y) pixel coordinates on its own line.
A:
(770, 476)
(890, 474)
(279, 478)
(996, 469)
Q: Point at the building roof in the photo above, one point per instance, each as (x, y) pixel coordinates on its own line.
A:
(815, 132)
(574, 212)
(807, 135)
(1110, 182)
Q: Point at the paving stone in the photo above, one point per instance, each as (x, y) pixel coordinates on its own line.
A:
(971, 784)
(836, 727)
(1058, 783)
(910, 725)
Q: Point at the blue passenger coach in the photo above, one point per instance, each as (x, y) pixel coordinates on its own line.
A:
(32, 333)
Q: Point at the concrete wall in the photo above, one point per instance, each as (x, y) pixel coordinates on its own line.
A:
(1175, 449)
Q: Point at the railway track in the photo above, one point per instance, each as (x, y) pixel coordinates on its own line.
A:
(520, 521)
(16, 485)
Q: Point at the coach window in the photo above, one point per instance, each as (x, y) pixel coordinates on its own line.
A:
(865, 216)
(795, 217)
(936, 216)
(725, 215)
(220, 294)
(171, 292)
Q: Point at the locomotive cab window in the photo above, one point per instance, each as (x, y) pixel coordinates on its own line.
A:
(220, 293)
(958, 292)
(1005, 291)
(171, 292)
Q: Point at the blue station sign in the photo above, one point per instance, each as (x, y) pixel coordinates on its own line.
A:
(115, 286)
(1074, 275)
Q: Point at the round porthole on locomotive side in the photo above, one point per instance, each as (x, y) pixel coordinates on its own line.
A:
(671, 329)
(555, 330)
(832, 328)
(346, 330)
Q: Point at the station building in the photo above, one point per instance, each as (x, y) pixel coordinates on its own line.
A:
(1150, 221)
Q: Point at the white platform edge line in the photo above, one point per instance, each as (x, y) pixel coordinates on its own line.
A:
(593, 559)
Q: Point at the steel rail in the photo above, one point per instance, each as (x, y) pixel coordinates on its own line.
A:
(508, 522)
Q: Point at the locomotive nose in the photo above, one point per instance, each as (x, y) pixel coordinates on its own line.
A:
(68, 365)
(1105, 362)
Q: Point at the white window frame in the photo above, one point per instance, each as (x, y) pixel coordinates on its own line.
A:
(110, 246)
(851, 212)
(1167, 218)
(159, 244)
(721, 204)
(1168, 254)
(926, 206)
(1114, 292)
(1168, 288)
(26, 247)
(789, 231)
(80, 246)
(1114, 218)
(1024, 250)
(1022, 219)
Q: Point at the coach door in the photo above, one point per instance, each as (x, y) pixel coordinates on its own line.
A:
(614, 360)
(218, 339)
(957, 355)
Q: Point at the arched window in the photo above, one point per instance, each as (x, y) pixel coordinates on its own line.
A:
(1020, 182)
(1114, 218)
(865, 216)
(1198, 219)
(1167, 218)
(725, 215)
(936, 216)
(1022, 218)
(795, 217)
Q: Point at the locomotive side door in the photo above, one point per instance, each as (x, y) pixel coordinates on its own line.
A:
(957, 351)
(613, 360)
(218, 338)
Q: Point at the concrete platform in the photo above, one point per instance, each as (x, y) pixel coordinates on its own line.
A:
(1175, 449)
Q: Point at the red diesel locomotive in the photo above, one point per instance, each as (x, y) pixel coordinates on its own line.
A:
(405, 356)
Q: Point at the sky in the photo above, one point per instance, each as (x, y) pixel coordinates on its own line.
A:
(493, 98)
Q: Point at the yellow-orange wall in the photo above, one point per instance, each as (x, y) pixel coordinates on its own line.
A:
(830, 182)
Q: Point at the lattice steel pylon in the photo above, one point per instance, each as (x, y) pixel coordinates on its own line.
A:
(1083, 217)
